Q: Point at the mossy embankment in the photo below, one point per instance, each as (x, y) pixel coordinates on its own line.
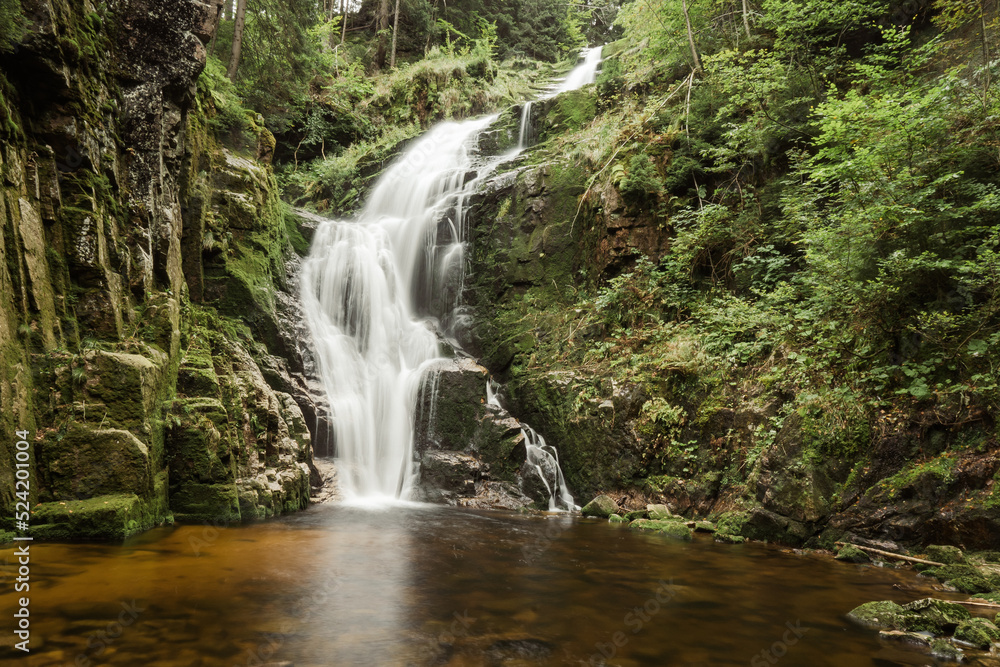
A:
(665, 283)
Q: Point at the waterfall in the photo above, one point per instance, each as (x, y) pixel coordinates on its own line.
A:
(379, 291)
(545, 460)
(525, 134)
(582, 74)
(375, 291)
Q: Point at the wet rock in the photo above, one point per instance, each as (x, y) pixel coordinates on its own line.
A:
(728, 538)
(497, 496)
(944, 554)
(602, 506)
(928, 615)
(978, 632)
(908, 639)
(614, 518)
(445, 476)
(936, 616)
(852, 554)
(943, 649)
(672, 529)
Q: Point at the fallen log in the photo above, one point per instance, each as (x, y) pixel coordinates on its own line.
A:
(889, 554)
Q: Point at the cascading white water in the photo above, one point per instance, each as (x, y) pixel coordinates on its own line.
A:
(525, 134)
(373, 292)
(545, 460)
(377, 291)
(582, 74)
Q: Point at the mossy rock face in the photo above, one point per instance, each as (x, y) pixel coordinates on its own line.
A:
(110, 517)
(852, 554)
(672, 529)
(704, 527)
(989, 597)
(973, 584)
(601, 506)
(979, 632)
(944, 554)
(206, 502)
(90, 462)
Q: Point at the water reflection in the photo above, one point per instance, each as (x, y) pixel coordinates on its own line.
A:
(421, 586)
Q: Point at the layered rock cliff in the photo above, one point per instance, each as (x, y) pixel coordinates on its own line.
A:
(143, 276)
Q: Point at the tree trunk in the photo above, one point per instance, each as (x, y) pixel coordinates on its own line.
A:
(343, 20)
(382, 28)
(694, 50)
(746, 17)
(234, 59)
(395, 29)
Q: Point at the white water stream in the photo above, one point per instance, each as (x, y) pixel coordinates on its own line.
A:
(377, 291)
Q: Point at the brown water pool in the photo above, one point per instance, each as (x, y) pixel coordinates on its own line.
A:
(337, 585)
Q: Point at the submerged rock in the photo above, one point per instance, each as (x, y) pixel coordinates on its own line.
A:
(601, 506)
(942, 649)
(673, 529)
(978, 632)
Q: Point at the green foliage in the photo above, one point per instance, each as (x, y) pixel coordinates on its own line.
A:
(642, 180)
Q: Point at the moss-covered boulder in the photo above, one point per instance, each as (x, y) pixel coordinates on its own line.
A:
(978, 632)
(880, 615)
(659, 512)
(729, 538)
(673, 529)
(109, 517)
(636, 514)
(944, 554)
(602, 506)
(927, 615)
(614, 518)
(851, 554)
(704, 527)
(937, 616)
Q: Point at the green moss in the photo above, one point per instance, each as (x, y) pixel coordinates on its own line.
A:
(205, 502)
(673, 529)
(979, 632)
(110, 517)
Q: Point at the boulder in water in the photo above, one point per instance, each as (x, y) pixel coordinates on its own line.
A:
(978, 632)
(602, 506)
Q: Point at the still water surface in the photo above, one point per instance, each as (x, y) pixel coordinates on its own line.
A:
(337, 585)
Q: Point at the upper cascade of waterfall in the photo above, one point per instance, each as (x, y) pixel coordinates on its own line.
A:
(582, 74)
(375, 291)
